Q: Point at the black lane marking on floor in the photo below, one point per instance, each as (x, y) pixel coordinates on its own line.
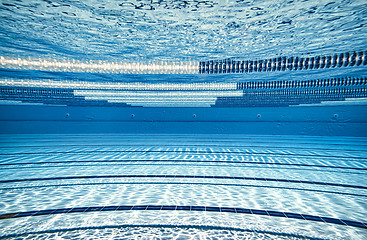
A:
(186, 208)
(183, 152)
(184, 176)
(159, 226)
(183, 161)
(181, 183)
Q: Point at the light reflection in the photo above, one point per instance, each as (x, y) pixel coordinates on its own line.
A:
(100, 66)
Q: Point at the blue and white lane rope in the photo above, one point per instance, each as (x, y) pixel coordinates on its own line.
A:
(348, 59)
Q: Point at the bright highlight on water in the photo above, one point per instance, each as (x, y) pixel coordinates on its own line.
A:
(100, 66)
(216, 66)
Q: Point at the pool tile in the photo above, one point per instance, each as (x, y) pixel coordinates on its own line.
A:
(44, 212)
(355, 224)
(213, 209)
(93, 209)
(333, 220)
(259, 212)
(198, 208)
(123, 208)
(168, 208)
(183, 208)
(243, 210)
(110, 208)
(276, 214)
(81, 209)
(152, 207)
(58, 211)
(293, 215)
(227, 209)
(140, 207)
(8, 215)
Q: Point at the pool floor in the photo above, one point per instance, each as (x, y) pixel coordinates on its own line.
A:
(182, 187)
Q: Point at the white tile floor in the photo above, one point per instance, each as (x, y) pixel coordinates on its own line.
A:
(69, 171)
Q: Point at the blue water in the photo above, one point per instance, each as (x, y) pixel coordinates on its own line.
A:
(172, 30)
(183, 119)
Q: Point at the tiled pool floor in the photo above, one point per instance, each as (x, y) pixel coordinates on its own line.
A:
(224, 186)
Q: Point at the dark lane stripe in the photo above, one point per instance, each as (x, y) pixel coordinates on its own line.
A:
(183, 176)
(182, 161)
(174, 151)
(160, 226)
(186, 208)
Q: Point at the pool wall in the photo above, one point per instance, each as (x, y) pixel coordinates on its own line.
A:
(305, 120)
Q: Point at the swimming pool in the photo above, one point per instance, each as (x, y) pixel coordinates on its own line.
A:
(183, 120)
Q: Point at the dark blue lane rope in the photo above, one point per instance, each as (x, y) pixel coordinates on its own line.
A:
(322, 85)
(175, 151)
(186, 208)
(347, 59)
(185, 176)
(159, 226)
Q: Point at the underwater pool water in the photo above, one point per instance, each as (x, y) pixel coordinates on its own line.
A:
(197, 119)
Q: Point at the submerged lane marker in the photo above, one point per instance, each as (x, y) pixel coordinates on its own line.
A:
(187, 208)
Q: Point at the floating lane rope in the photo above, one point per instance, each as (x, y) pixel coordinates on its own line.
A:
(348, 90)
(348, 59)
(98, 66)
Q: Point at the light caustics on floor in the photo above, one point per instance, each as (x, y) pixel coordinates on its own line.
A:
(260, 185)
